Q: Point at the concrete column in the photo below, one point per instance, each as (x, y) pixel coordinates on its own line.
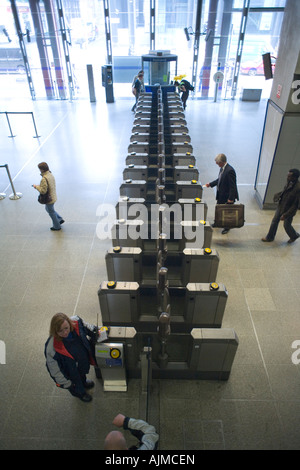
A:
(280, 146)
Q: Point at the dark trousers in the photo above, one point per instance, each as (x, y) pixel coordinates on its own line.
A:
(287, 224)
(136, 100)
(77, 388)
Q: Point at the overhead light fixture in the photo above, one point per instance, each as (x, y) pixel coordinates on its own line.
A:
(186, 32)
(208, 34)
(189, 32)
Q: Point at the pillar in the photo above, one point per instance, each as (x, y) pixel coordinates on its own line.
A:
(280, 145)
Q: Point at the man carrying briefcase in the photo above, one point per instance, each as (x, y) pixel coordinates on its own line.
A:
(227, 192)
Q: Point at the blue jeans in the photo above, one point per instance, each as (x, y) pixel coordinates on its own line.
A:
(287, 224)
(54, 215)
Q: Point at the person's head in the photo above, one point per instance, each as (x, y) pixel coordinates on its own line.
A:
(176, 83)
(43, 167)
(293, 174)
(115, 441)
(60, 326)
(221, 160)
(141, 75)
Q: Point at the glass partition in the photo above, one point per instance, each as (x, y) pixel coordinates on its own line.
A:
(130, 39)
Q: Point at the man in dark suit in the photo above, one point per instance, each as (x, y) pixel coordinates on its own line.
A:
(288, 204)
(227, 192)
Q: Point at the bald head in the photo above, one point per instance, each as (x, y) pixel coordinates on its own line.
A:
(115, 441)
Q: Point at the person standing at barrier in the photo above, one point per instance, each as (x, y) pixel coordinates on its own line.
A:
(288, 203)
(227, 192)
(137, 88)
(69, 353)
(146, 434)
(48, 185)
(184, 87)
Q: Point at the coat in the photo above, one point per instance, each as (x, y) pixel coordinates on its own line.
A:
(48, 181)
(59, 361)
(288, 200)
(227, 188)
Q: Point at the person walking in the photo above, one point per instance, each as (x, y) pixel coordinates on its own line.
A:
(69, 353)
(48, 185)
(288, 203)
(137, 88)
(146, 434)
(227, 192)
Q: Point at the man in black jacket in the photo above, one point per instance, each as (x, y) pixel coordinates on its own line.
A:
(288, 203)
(184, 87)
(227, 192)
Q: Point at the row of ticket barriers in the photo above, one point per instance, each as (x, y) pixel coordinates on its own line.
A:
(161, 305)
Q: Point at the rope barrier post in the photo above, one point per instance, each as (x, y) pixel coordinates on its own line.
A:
(36, 136)
(11, 134)
(2, 195)
(15, 195)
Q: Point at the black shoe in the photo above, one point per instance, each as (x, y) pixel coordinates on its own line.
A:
(55, 229)
(89, 384)
(225, 230)
(292, 240)
(61, 221)
(86, 398)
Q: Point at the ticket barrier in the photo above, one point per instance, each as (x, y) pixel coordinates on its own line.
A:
(147, 128)
(174, 121)
(149, 113)
(177, 159)
(111, 362)
(202, 354)
(197, 305)
(146, 147)
(173, 191)
(189, 266)
(191, 209)
(171, 175)
(147, 107)
(152, 137)
(139, 234)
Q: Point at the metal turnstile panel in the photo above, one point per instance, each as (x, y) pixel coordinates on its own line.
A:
(119, 302)
(124, 264)
(134, 265)
(203, 354)
(128, 304)
(137, 233)
(179, 173)
(134, 189)
(188, 190)
(171, 161)
(214, 351)
(206, 304)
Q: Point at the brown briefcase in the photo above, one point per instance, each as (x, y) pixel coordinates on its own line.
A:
(229, 215)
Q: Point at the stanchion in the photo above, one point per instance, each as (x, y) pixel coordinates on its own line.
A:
(20, 112)
(14, 196)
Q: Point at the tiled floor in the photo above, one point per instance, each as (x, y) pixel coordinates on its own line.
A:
(43, 272)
